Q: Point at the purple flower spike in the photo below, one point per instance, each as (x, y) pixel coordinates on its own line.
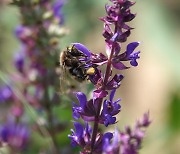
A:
(99, 109)
(129, 141)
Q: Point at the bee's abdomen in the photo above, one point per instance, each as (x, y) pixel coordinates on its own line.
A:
(78, 72)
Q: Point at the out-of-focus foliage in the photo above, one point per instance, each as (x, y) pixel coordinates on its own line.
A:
(8, 43)
(82, 18)
(174, 113)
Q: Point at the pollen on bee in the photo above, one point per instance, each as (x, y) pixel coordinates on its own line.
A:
(90, 71)
(69, 48)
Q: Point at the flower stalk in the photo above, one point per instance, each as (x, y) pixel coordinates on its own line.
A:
(99, 109)
(39, 32)
(96, 122)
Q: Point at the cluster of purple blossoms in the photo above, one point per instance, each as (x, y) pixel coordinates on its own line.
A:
(36, 75)
(99, 109)
(129, 141)
(16, 135)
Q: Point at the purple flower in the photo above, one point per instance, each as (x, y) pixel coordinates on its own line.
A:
(57, 9)
(118, 14)
(128, 55)
(5, 93)
(110, 109)
(23, 32)
(16, 135)
(114, 83)
(85, 109)
(100, 59)
(129, 141)
(88, 109)
(112, 147)
(19, 60)
(116, 31)
(82, 137)
(90, 59)
(97, 79)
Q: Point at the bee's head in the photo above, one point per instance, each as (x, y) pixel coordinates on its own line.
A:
(69, 48)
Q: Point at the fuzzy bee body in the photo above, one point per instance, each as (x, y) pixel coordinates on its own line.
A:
(70, 59)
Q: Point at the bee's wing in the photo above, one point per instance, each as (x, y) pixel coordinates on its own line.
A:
(67, 82)
(63, 79)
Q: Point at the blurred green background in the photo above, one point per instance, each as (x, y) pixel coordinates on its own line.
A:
(154, 85)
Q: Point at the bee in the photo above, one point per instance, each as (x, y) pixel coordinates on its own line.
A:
(70, 59)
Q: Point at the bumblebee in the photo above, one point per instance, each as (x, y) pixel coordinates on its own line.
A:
(70, 59)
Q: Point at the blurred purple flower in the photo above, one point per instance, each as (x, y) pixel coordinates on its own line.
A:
(16, 135)
(57, 9)
(25, 34)
(5, 93)
(129, 141)
(19, 60)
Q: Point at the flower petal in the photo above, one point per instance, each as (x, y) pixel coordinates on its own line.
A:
(119, 66)
(131, 47)
(79, 129)
(82, 48)
(112, 94)
(82, 99)
(99, 94)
